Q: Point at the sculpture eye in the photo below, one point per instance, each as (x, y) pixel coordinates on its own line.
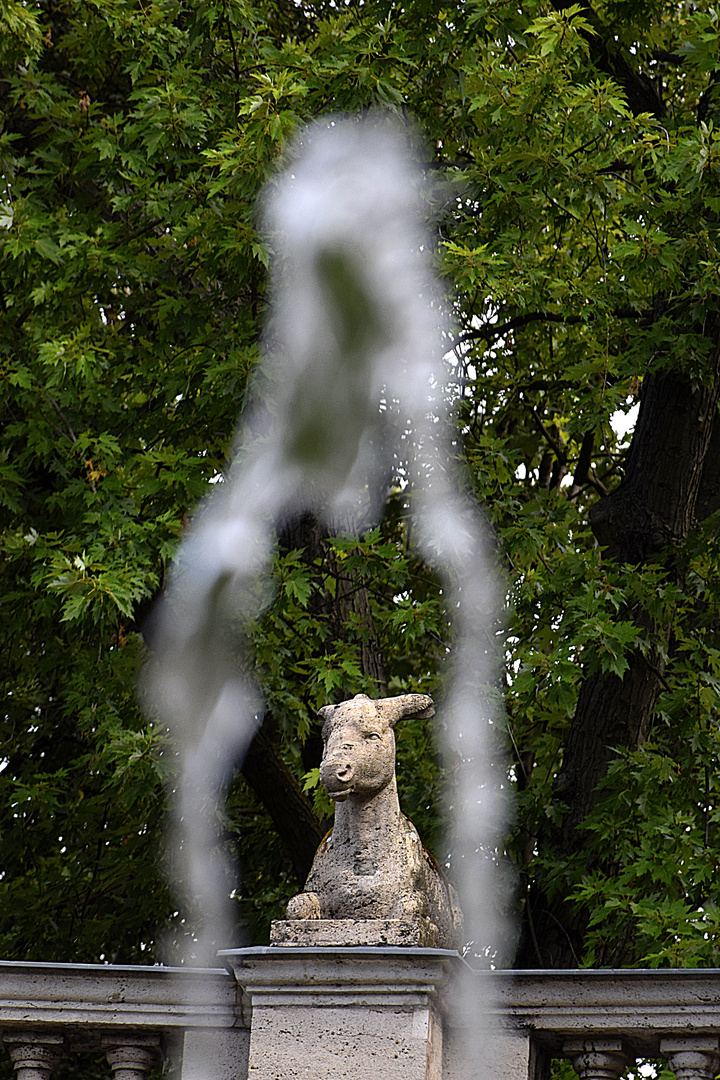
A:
(373, 735)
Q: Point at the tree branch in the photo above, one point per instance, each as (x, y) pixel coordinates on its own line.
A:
(491, 331)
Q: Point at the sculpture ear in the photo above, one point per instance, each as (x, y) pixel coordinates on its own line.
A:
(393, 709)
(324, 715)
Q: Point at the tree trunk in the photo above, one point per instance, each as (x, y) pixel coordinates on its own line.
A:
(292, 813)
(669, 477)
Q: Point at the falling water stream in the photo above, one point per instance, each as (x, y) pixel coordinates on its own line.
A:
(355, 348)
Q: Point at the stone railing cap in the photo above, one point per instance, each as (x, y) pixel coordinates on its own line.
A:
(39, 966)
(352, 952)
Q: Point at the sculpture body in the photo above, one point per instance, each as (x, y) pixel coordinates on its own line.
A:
(373, 864)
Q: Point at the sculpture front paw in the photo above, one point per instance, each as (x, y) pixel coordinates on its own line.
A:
(306, 905)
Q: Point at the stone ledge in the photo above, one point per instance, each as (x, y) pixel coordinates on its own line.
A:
(638, 1005)
(104, 995)
(353, 933)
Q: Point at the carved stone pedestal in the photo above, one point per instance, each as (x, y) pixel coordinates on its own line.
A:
(419, 933)
(340, 1014)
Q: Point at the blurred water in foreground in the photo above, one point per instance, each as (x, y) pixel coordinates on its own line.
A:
(356, 344)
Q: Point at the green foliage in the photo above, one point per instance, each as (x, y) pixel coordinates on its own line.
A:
(578, 243)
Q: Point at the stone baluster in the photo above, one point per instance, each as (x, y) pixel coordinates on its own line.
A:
(34, 1054)
(131, 1056)
(596, 1059)
(692, 1057)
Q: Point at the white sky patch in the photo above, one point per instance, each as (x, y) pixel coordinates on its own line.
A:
(623, 423)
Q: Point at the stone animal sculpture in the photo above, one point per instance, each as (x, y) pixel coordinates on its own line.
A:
(372, 865)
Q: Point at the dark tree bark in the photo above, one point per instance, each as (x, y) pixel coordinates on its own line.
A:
(656, 504)
(292, 813)
(708, 501)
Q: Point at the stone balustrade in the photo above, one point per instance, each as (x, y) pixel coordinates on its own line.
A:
(134, 1015)
(604, 1021)
(278, 1013)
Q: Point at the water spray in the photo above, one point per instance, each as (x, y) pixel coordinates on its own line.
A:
(355, 353)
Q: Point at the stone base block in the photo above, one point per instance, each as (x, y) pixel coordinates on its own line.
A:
(418, 933)
(347, 1043)
(324, 1013)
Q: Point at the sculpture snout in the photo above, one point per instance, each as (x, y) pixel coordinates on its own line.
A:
(336, 775)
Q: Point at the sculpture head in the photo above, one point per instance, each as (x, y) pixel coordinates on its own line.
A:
(359, 743)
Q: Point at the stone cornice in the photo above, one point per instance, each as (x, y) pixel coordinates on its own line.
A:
(636, 1004)
(336, 976)
(109, 996)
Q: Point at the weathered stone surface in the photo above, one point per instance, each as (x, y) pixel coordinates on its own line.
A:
(693, 1057)
(109, 996)
(336, 1014)
(418, 932)
(345, 1044)
(216, 1055)
(373, 864)
(342, 1013)
(196, 1014)
(596, 1059)
(132, 1056)
(34, 1054)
